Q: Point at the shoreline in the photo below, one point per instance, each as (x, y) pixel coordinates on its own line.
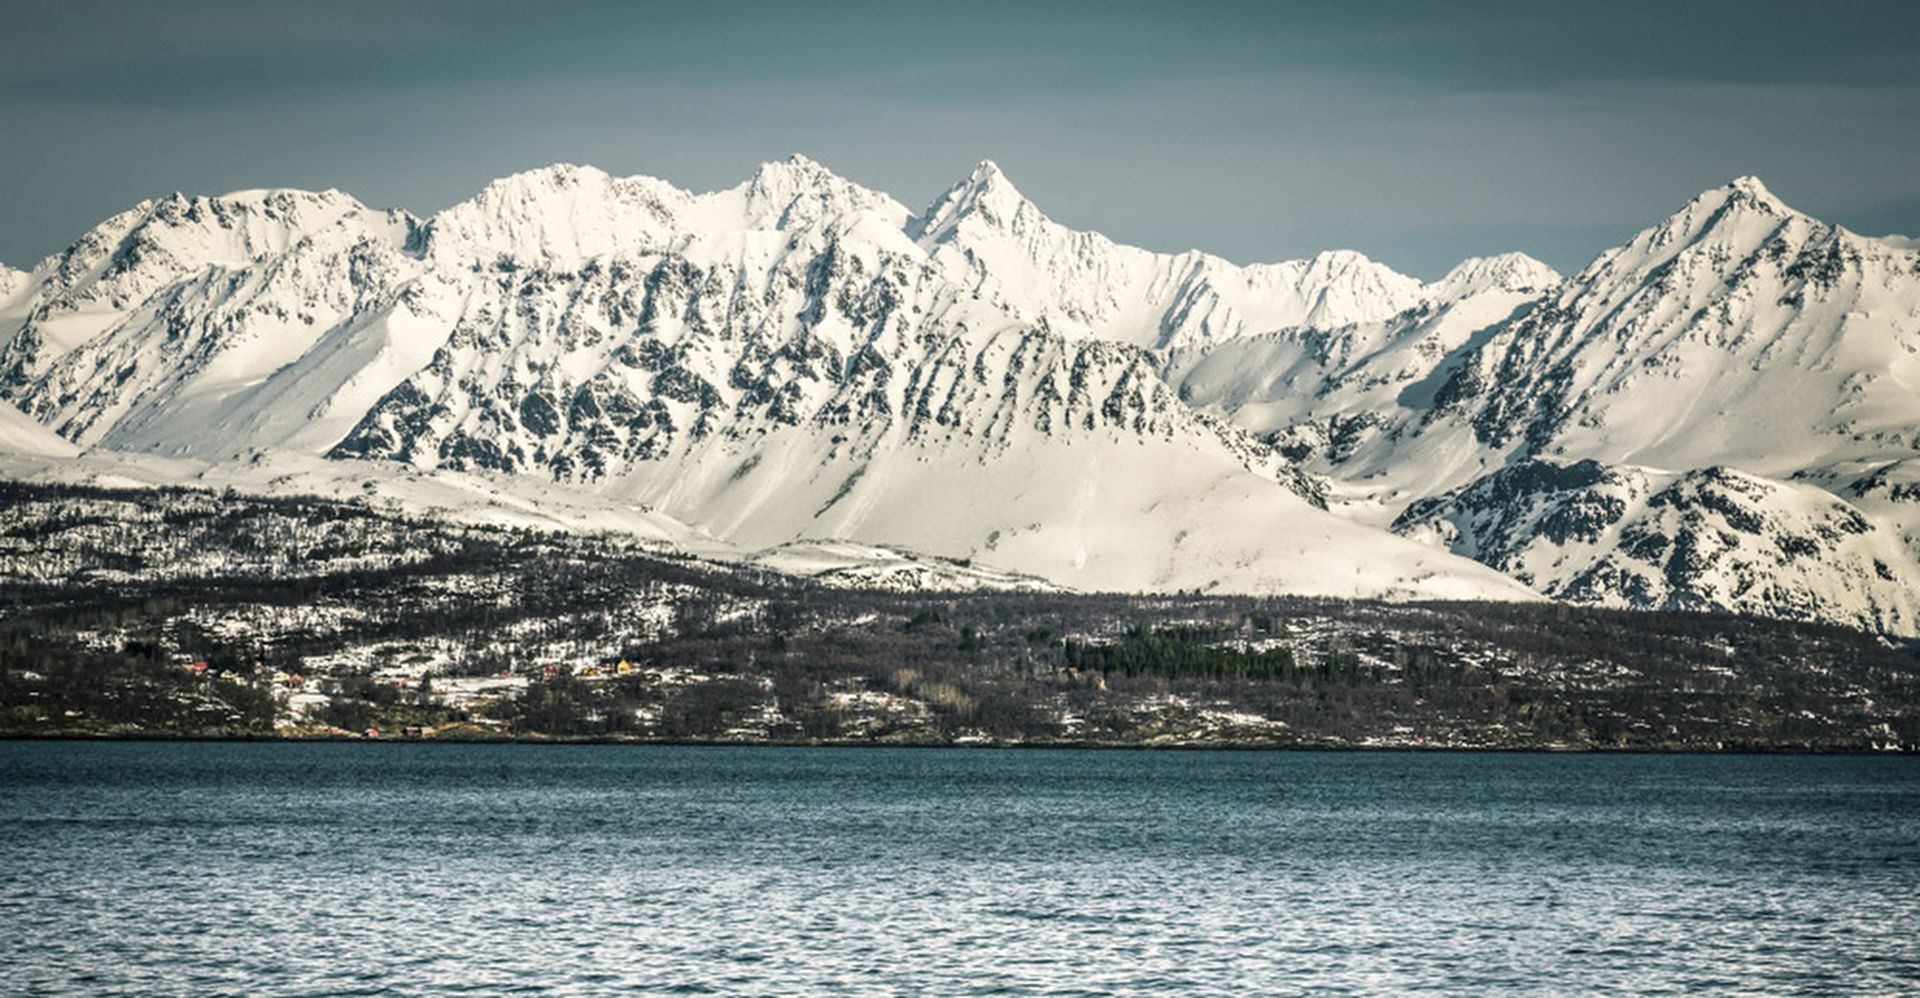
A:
(988, 745)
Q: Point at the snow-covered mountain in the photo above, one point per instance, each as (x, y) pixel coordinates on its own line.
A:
(801, 363)
(1711, 539)
(159, 329)
(1736, 341)
(1737, 331)
(794, 358)
(985, 235)
(1321, 393)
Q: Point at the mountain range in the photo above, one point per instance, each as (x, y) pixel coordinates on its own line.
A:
(1721, 414)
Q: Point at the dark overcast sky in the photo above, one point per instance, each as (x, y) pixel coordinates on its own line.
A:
(1417, 132)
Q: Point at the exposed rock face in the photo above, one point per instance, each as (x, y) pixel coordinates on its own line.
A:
(1712, 539)
(797, 357)
(801, 358)
(1736, 334)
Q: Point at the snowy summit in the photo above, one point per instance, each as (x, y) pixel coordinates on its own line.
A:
(800, 360)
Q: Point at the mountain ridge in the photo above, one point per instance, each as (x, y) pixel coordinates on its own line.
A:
(799, 359)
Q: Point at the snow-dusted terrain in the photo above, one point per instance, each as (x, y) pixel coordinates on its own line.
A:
(803, 373)
(1712, 538)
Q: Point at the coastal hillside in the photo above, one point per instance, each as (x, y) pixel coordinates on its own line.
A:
(150, 613)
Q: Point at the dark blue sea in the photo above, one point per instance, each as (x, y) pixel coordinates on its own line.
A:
(399, 869)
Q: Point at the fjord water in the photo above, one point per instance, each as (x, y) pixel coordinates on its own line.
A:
(432, 869)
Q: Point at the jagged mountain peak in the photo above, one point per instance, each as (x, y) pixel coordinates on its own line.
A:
(794, 173)
(1732, 235)
(988, 177)
(986, 195)
(794, 164)
(566, 213)
(1328, 265)
(1736, 331)
(1338, 259)
(558, 181)
(120, 262)
(552, 175)
(265, 218)
(1731, 227)
(276, 197)
(985, 176)
(562, 212)
(256, 223)
(1740, 197)
(797, 191)
(1743, 204)
(1515, 272)
(1743, 193)
(1740, 214)
(1753, 189)
(990, 238)
(793, 356)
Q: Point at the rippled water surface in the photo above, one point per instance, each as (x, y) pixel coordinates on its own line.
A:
(435, 869)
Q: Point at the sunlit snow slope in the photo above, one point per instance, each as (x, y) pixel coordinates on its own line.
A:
(1738, 354)
(797, 357)
(800, 364)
